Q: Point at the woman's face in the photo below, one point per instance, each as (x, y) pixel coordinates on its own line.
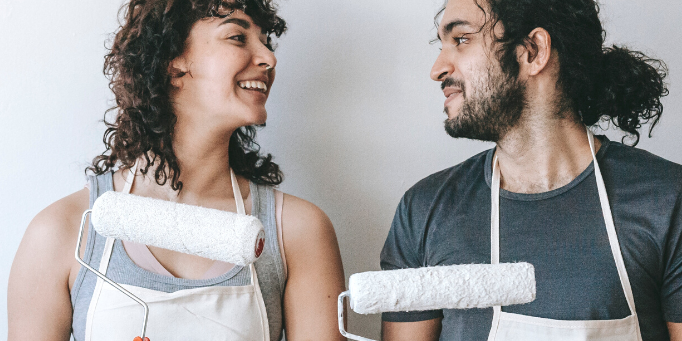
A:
(228, 69)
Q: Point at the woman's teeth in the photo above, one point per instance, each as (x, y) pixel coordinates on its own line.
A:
(254, 85)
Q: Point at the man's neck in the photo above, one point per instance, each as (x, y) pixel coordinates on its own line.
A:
(541, 156)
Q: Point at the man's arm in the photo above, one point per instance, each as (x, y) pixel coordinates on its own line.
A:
(672, 283)
(401, 251)
(675, 331)
(428, 330)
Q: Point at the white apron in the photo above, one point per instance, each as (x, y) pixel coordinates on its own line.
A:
(228, 313)
(515, 327)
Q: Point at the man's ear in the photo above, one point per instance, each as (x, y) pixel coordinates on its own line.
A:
(535, 54)
(177, 69)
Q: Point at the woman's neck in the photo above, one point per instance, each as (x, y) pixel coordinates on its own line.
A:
(203, 157)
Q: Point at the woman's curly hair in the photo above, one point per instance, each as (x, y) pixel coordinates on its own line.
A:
(154, 33)
(599, 82)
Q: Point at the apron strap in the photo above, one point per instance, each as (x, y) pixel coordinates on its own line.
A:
(611, 229)
(130, 178)
(495, 237)
(109, 245)
(495, 214)
(237, 193)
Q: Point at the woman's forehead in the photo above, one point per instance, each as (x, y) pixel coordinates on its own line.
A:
(238, 18)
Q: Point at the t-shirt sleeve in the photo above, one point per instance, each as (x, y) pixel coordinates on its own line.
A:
(671, 292)
(402, 250)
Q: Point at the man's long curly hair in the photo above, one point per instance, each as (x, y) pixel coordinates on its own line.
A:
(153, 33)
(599, 82)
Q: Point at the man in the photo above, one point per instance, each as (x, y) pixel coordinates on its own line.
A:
(530, 76)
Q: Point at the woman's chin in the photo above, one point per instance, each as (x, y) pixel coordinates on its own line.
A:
(260, 118)
(248, 117)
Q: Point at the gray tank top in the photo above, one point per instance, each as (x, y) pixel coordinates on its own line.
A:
(123, 270)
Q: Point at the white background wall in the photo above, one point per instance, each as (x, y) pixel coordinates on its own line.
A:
(354, 119)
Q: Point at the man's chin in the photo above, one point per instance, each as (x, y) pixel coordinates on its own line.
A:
(452, 112)
(460, 128)
(453, 127)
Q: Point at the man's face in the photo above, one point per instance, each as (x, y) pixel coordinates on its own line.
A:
(482, 102)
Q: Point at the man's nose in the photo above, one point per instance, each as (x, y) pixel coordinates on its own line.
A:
(441, 68)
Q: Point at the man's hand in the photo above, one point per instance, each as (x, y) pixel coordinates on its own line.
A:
(675, 331)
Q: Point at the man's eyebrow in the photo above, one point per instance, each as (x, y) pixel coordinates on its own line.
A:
(241, 22)
(451, 26)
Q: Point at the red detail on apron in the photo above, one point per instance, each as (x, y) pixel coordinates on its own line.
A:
(260, 245)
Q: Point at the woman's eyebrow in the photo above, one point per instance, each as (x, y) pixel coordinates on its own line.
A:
(241, 22)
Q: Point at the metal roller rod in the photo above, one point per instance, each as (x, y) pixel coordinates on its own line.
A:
(342, 328)
(104, 278)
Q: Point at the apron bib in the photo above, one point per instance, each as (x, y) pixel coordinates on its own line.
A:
(515, 327)
(228, 313)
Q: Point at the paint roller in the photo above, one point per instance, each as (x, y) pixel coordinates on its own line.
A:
(441, 287)
(209, 233)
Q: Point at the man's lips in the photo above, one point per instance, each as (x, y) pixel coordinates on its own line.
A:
(451, 93)
(450, 90)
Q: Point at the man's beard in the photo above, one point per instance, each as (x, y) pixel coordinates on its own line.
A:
(491, 107)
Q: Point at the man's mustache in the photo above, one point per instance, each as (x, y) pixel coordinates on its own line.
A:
(450, 81)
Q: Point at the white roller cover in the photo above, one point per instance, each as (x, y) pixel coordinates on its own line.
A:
(442, 287)
(214, 234)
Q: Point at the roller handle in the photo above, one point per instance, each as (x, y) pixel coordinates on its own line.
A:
(106, 279)
(342, 327)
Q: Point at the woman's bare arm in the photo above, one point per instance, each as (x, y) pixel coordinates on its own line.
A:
(38, 296)
(428, 330)
(315, 273)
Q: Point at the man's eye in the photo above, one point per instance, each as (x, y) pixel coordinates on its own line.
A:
(461, 40)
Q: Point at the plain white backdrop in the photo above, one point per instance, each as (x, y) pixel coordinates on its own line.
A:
(354, 119)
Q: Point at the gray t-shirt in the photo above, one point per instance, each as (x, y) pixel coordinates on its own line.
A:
(445, 220)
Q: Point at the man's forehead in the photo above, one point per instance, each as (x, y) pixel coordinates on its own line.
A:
(459, 13)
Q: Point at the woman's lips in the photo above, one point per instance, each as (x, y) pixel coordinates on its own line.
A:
(256, 94)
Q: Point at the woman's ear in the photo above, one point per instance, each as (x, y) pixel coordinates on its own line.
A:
(177, 69)
(535, 54)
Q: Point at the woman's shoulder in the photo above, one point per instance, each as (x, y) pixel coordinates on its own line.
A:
(306, 229)
(303, 217)
(49, 241)
(43, 270)
(61, 214)
(51, 235)
(60, 219)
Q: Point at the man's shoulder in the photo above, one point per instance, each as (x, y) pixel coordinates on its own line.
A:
(468, 171)
(635, 164)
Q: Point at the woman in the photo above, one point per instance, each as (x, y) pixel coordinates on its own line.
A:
(191, 79)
